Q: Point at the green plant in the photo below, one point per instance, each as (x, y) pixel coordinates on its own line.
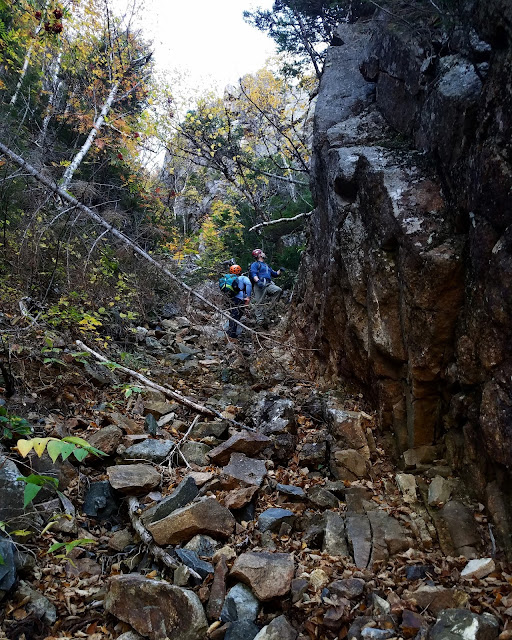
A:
(12, 425)
(33, 485)
(56, 447)
(69, 546)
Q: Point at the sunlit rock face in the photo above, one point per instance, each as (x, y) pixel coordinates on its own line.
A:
(406, 283)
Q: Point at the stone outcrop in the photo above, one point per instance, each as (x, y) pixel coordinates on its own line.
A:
(405, 286)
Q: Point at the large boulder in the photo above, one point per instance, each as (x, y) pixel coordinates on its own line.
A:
(156, 609)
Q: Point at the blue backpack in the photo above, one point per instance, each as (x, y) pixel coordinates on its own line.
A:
(229, 284)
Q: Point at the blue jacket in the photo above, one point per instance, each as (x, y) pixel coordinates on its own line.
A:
(245, 288)
(262, 271)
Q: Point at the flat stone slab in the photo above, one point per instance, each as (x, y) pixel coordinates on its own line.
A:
(152, 450)
(359, 535)
(478, 568)
(291, 490)
(205, 516)
(247, 442)
(272, 519)
(184, 493)
(246, 470)
(335, 543)
(133, 479)
(268, 574)
(155, 608)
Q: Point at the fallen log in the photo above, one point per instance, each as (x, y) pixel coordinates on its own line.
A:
(171, 393)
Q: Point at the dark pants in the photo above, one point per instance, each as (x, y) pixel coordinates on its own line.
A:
(236, 311)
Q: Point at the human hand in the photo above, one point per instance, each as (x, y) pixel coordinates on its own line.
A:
(247, 301)
(260, 284)
(281, 270)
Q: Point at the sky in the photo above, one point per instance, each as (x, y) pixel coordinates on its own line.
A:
(206, 40)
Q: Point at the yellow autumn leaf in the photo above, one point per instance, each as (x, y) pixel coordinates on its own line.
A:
(40, 445)
(24, 447)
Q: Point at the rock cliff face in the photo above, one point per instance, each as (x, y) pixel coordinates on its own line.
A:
(406, 284)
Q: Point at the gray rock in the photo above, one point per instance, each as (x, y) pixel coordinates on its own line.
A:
(457, 624)
(204, 546)
(100, 501)
(205, 429)
(204, 516)
(8, 566)
(359, 535)
(133, 479)
(152, 450)
(334, 543)
(150, 424)
(272, 519)
(155, 608)
(170, 310)
(419, 571)
(347, 588)
(196, 453)
(291, 490)
(348, 464)
(298, 588)
(268, 574)
(322, 498)
(130, 635)
(244, 442)
(11, 497)
(192, 560)
(244, 630)
(360, 630)
(240, 604)
(184, 493)
(247, 470)
(462, 527)
(313, 454)
(439, 491)
(106, 439)
(37, 604)
(278, 629)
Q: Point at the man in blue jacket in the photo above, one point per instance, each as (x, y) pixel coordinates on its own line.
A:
(266, 293)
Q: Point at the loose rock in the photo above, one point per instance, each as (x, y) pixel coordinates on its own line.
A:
(278, 629)
(240, 604)
(184, 493)
(153, 450)
(205, 516)
(155, 608)
(246, 470)
(268, 574)
(133, 479)
(272, 519)
(478, 568)
(244, 442)
(453, 624)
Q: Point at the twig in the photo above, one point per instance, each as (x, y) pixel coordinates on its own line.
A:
(157, 552)
(266, 224)
(165, 390)
(177, 445)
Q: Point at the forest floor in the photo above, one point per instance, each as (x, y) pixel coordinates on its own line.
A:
(335, 536)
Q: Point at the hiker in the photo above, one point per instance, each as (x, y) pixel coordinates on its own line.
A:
(265, 291)
(239, 300)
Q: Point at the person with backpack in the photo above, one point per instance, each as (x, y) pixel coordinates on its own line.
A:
(265, 291)
(238, 288)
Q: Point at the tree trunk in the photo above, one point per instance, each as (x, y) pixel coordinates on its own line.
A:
(75, 163)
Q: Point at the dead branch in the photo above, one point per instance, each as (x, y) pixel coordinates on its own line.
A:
(14, 157)
(271, 222)
(165, 390)
(157, 552)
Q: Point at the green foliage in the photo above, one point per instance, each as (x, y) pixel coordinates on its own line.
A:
(69, 546)
(34, 484)
(11, 426)
(58, 447)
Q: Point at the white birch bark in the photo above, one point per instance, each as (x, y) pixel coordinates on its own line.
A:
(26, 62)
(75, 163)
(55, 87)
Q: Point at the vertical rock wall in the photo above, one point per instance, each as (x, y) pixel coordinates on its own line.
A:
(406, 283)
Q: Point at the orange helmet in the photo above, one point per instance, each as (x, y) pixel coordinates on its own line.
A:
(236, 269)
